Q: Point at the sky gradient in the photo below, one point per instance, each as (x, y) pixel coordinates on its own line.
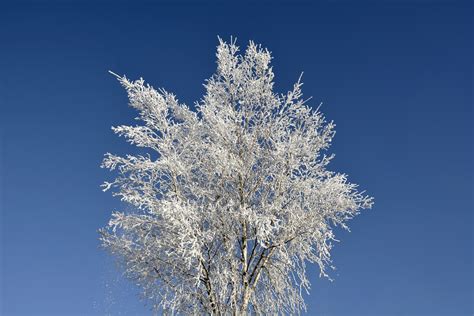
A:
(395, 76)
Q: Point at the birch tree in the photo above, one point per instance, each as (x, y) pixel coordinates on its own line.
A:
(233, 197)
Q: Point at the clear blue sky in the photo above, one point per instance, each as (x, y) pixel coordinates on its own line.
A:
(395, 76)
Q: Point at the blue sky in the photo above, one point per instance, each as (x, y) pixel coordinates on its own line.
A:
(395, 76)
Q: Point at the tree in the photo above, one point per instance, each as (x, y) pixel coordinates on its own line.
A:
(233, 199)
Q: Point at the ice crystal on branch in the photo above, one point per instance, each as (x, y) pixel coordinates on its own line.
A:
(237, 198)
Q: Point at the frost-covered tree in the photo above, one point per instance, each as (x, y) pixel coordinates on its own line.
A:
(231, 200)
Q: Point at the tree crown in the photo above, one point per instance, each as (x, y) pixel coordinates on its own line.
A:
(233, 198)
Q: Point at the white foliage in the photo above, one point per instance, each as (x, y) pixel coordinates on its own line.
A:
(233, 199)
